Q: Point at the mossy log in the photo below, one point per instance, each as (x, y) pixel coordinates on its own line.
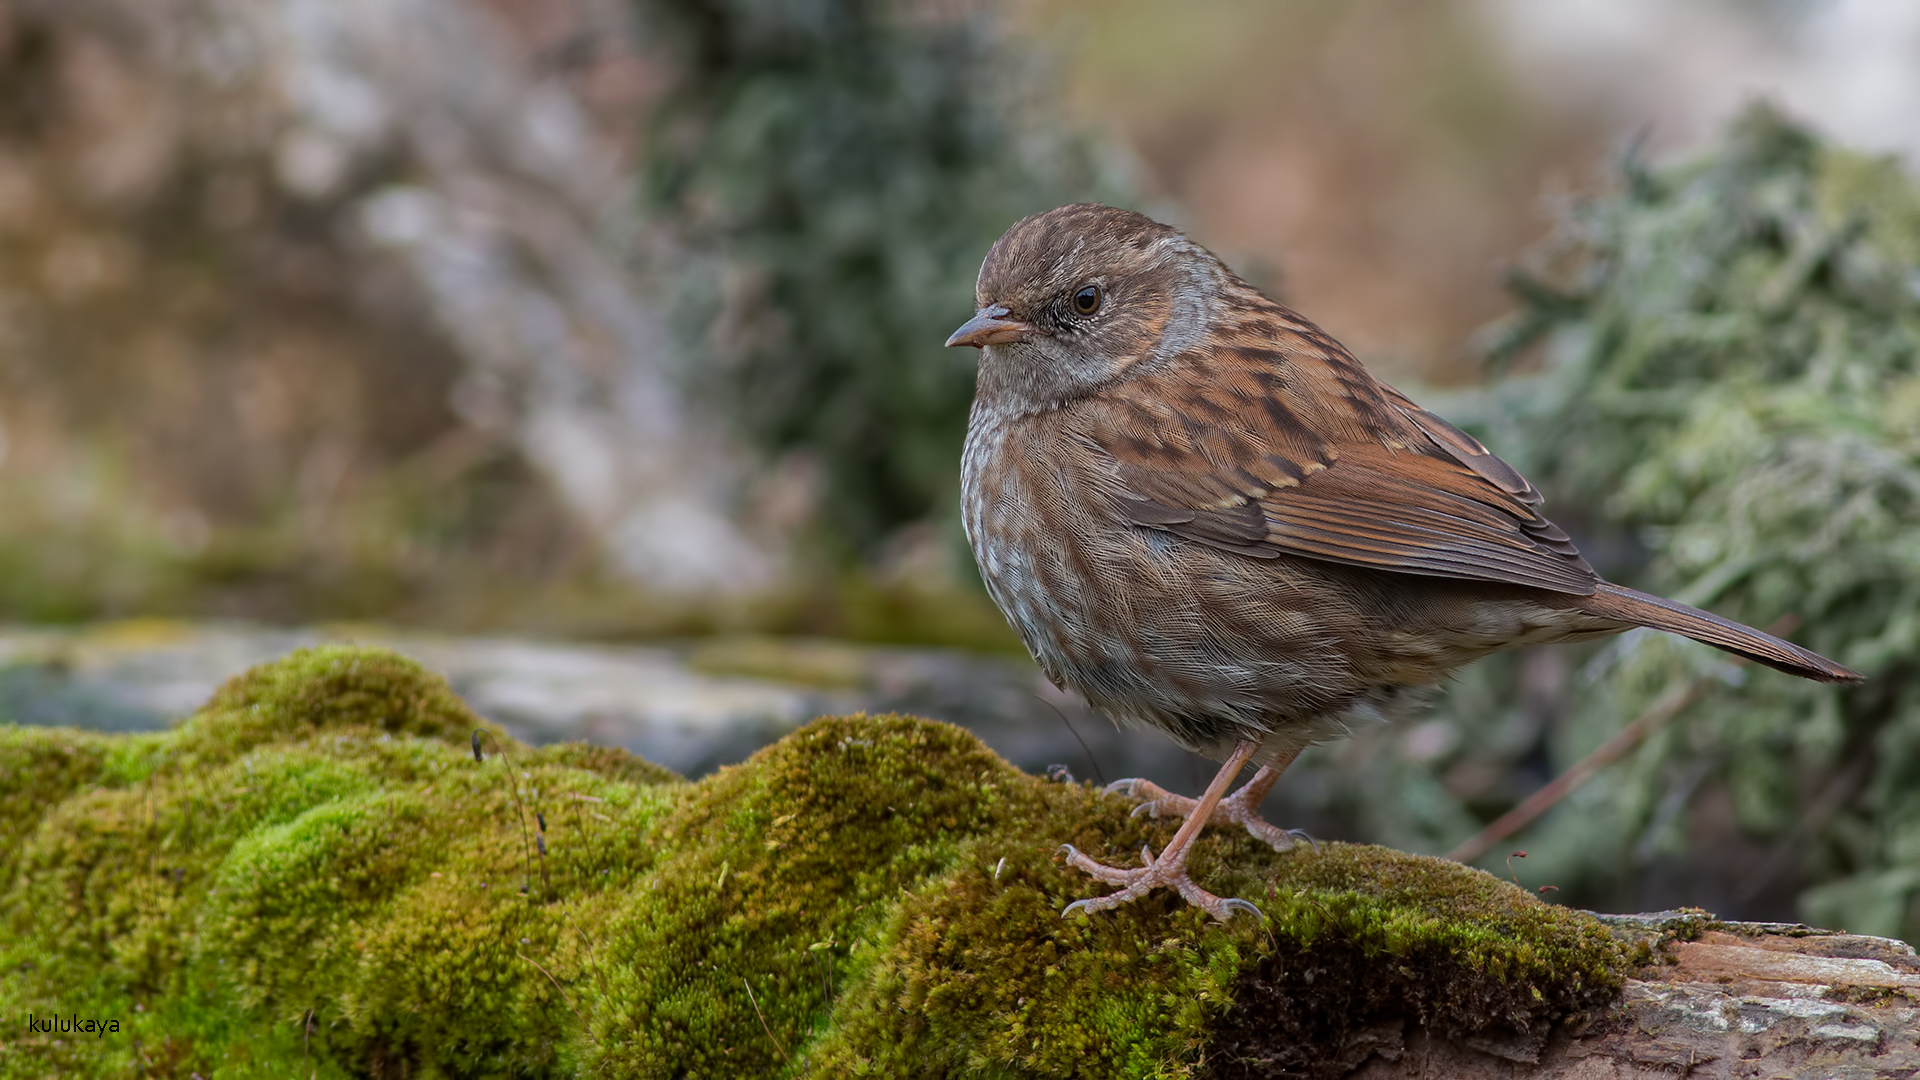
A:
(1722, 1000)
(336, 869)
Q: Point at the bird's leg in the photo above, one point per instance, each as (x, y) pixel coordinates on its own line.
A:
(1170, 869)
(1240, 808)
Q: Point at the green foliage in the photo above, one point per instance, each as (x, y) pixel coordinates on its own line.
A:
(1728, 361)
(836, 171)
(313, 876)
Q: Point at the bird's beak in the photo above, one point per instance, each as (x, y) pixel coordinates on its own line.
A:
(990, 326)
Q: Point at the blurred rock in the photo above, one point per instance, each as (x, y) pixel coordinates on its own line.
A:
(691, 707)
(256, 256)
(1844, 66)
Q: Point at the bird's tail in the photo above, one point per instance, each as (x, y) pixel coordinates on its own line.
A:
(1643, 609)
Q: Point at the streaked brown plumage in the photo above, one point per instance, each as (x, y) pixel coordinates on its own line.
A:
(1199, 511)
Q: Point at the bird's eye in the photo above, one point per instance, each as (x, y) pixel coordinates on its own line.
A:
(1087, 300)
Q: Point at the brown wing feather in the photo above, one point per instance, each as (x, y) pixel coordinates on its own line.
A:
(1297, 449)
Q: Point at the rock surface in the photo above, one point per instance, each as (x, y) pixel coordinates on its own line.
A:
(1726, 1000)
(276, 250)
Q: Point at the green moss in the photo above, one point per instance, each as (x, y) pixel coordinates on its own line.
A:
(773, 869)
(315, 847)
(314, 873)
(980, 974)
(332, 687)
(608, 761)
(1364, 935)
(41, 766)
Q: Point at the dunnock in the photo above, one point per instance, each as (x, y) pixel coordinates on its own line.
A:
(1199, 511)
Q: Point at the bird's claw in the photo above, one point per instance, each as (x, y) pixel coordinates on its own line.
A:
(1231, 904)
(1123, 786)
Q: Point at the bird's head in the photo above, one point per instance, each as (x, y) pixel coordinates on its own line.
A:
(1072, 299)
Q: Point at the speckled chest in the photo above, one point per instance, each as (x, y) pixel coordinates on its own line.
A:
(1029, 520)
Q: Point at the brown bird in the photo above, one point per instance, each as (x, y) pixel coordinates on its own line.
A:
(1199, 511)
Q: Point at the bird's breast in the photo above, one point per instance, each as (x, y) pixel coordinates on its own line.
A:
(1035, 535)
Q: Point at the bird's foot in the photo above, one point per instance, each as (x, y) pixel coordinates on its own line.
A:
(1170, 872)
(1235, 809)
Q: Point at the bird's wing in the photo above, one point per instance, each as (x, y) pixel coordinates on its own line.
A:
(1292, 447)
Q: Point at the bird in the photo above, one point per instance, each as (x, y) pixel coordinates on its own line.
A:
(1203, 514)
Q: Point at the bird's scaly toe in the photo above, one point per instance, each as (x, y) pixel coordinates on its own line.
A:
(1238, 809)
(1155, 801)
(1277, 838)
(1138, 882)
(1112, 875)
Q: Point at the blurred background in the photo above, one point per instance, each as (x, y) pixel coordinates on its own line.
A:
(591, 351)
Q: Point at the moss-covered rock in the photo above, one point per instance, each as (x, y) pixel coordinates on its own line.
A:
(315, 873)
